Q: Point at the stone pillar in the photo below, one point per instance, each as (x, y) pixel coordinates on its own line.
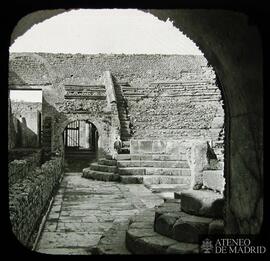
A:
(198, 161)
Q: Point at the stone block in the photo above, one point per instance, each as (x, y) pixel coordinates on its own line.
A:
(145, 146)
(146, 157)
(216, 227)
(172, 147)
(131, 180)
(134, 147)
(159, 147)
(134, 157)
(131, 171)
(217, 122)
(213, 179)
(202, 203)
(189, 228)
(164, 224)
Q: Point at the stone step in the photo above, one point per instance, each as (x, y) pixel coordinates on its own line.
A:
(131, 171)
(125, 150)
(187, 228)
(204, 203)
(154, 171)
(141, 239)
(98, 175)
(134, 179)
(123, 157)
(153, 163)
(108, 162)
(158, 188)
(154, 179)
(103, 168)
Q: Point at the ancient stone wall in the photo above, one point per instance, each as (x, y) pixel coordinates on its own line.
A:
(168, 96)
(29, 198)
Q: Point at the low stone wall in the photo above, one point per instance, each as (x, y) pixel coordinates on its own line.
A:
(29, 198)
(23, 165)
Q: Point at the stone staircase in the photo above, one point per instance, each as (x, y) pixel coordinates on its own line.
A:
(123, 117)
(164, 177)
(160, 173)
(175, 226)
(163, 174)
(104, 170)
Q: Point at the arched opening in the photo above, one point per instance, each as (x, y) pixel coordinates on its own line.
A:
(80, 139)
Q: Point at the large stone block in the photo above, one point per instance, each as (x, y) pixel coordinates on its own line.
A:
(164, 223)
(189, 228)
(172, 147)
(134, 147)
(146, 146)
(213, 179)
(159, 147)
(202, 203)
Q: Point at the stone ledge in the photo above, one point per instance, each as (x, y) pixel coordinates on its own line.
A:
(98, 175)
(103, 168)
(108, 162)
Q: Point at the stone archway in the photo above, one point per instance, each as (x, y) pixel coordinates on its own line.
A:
(80, 141)
(228, 49)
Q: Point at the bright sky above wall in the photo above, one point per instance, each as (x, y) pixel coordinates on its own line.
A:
(26, 95)
(116, 31)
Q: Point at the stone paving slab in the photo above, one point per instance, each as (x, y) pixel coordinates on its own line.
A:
(83, 210)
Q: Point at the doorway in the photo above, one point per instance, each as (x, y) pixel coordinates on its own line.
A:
(80, 140)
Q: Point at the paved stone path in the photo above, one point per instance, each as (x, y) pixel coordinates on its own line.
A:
(84, 209)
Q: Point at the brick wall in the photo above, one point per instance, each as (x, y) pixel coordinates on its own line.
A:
(29, 198)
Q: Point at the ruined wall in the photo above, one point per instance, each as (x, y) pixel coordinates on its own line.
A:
(29, 198)
(168, 96)
(24, 124)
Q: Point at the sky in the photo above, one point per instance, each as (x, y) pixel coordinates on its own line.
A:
(25, 95)
(93, 31)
